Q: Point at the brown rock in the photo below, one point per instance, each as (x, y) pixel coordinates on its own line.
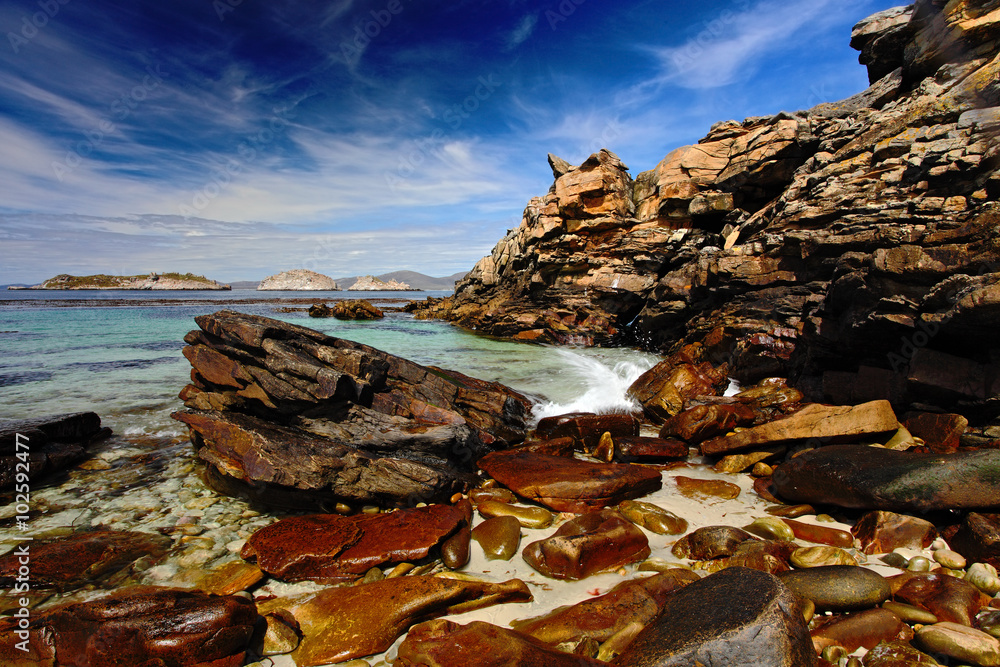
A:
(702, 488)
(940, 432)
(358, 309)
(863, 629)
(587, 429)
(329, 548)
(568, 485)
(499, 537)
(948, 598)
(823, 423)
(978, 538)
(136, 626)
(645, 449)
(529, 517)
(652, 517)
(339, 624)
(635, 601)
(811, 532)
(882, 532)
(896, 654)
(69, 562)
(590, 543)
(50, 443)
(441, 643)
(665, 389)
(710, 542)
(760, 624)
(702, 422)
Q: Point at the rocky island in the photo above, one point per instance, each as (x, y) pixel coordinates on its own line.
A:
(373, 284)
(153, 281)
(298, 280)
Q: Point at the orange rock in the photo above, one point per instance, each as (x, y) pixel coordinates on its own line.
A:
(862, 629)
(586, 545)
(701, 488)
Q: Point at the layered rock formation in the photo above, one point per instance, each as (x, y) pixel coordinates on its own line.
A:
(291, 416)
(298, 280)
(852, 246)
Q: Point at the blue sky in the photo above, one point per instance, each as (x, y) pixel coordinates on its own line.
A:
(236, 138)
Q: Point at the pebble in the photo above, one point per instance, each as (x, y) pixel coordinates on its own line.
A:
(950, 559)
(790, 511)
(652, 517)
(529, 517)
(909, 613)
(984, 577)
(918, 564)
(771, 528)
(807, 557)
(499, 537)
(961, 643)
(699, 488)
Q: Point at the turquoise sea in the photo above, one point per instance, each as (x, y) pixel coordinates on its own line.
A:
(118, 353)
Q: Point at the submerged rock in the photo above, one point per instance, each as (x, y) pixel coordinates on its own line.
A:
(288, 415)
(43, 445)
(881, 479)
(357, 309)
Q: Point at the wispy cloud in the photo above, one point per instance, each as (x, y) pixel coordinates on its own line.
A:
(522, 32)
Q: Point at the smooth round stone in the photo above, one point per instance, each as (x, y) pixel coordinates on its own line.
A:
(984, 577)
(838, 587)
(690, 487)
(918, 564)
(895, 560)
(652, 517)
(807, 557)
(771, 528)
(761, 469)
(950, 559)
(909, 613)
(498, 494)
(529, 517)
(961, 642)
(499, 537)
(790, 511)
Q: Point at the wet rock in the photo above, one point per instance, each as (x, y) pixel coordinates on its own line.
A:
(653, 518)
(69, 562)
(282, 635)
(645, 449)
(328, 548)
(909, 613)
(940, 432)
(984, 577)
(702, 422)
(739, 462)
(896, 654)
(631, 602)
(978, 538)
(710, 542)
(457, 548)
(340, 624)
(358, 309)
(590, 543)
(771, 556)
(839, 587)
(949, 599)
(705, 488)
(529, 517)
(863, 629)
(823, 423)
(770, 528)
(136, 626)
(881, 479)
(441, 643)
(882, 532)
(810, 532)
(284, 412)
(227, 579)
(820, 557)
(586, 429)
(499, 537)
(961, 643)
(45, 444)
(665, 389)
(568, 485)
(760, 624)
(496, 494)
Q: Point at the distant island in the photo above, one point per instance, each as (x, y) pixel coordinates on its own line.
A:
(299, 280)
(152, 281)
(373, 284)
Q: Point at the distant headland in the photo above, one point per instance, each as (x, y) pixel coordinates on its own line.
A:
(152, 281)
(299, 280)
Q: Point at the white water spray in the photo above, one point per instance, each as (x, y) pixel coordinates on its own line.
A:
(589, 384)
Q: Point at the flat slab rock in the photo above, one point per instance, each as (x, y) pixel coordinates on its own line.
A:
(590, 543)
(136, 626)
(737, 617)
(569, 485)
(825, 423)
(329, 548)
(874, 478)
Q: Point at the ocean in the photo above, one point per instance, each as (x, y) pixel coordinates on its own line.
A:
(118, 353)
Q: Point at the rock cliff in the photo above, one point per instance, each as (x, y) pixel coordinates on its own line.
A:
(298, 279)
(852, 246)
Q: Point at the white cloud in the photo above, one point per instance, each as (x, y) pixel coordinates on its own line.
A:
(522, 32)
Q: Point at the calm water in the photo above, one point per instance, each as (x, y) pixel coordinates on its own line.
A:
(119, 353)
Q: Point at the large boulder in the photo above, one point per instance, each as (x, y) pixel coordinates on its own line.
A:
(288, 415)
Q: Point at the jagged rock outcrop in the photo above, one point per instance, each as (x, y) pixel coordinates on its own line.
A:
(290, 416)
(852, 247)
(299, 280)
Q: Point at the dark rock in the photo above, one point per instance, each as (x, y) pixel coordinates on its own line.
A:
(586, 429)
(978, 538)
(838, 587)
(882, 532)
(896, 654)
(136, 626)
(354, 309)
(631, 602)
(760, 624)
(864, 629)
(881, 479)
(940, 432)
(362, 425)
(702, 422)
(569, 485)
(329, 548)
(45, 444)
(339, 624)
(645, 449)
(667, 388)
(69, 562)
(949, 599)
(590, 543)
(710, 542)
(441, 643)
